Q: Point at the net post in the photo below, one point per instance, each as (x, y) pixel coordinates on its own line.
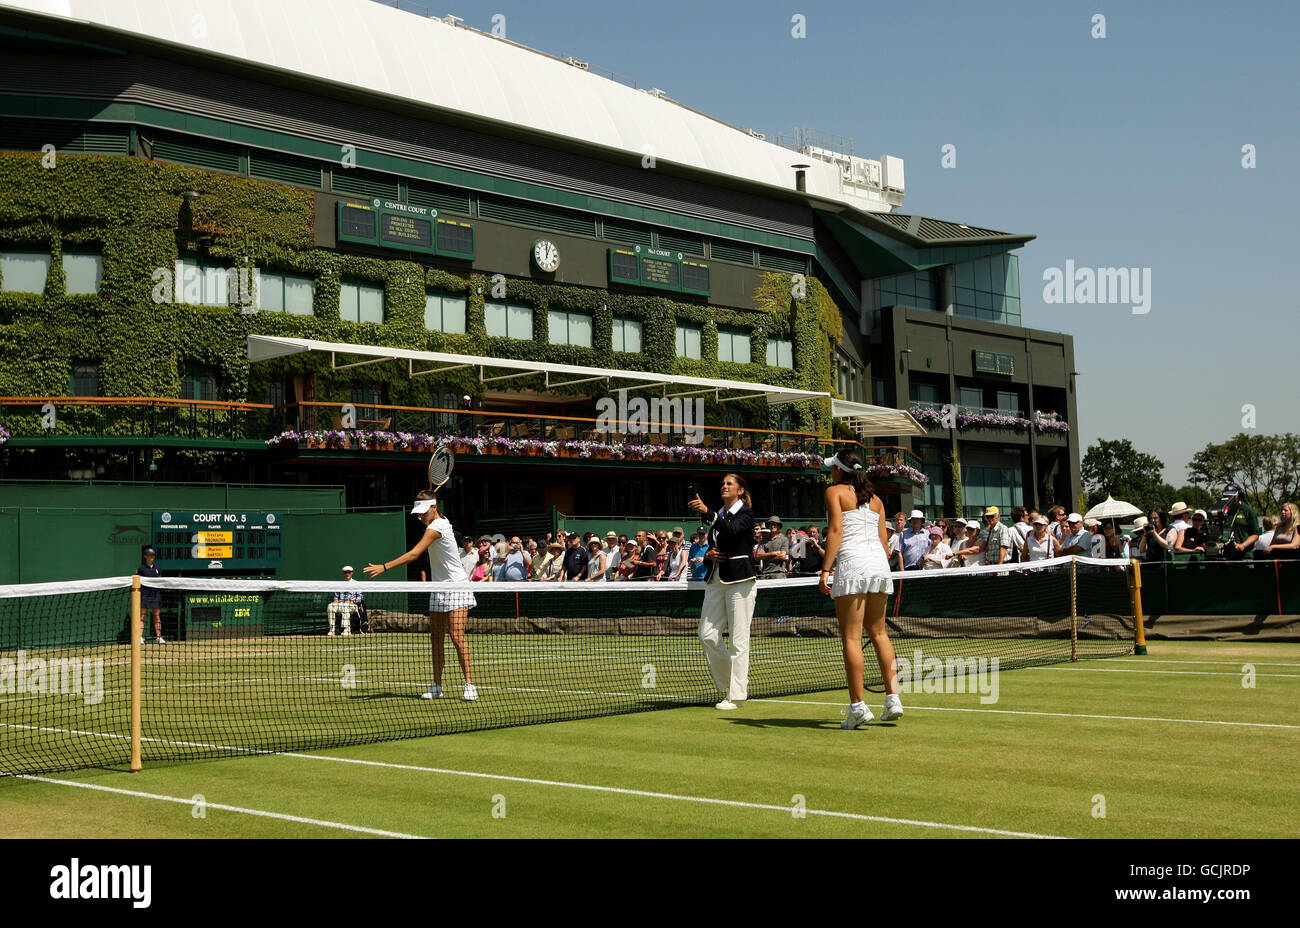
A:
(137, 633)
(1074, 609)
(1139, 622)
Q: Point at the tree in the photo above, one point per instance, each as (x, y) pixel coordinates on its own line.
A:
(1197, 497)
(1266, 466)
(1116, 468)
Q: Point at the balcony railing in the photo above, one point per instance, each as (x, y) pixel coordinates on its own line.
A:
(132, 417)
(64, 419)
(931, 416)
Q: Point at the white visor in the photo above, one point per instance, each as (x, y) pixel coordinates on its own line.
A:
(422, 506)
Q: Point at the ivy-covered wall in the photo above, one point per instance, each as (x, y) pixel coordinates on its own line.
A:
(134, 212)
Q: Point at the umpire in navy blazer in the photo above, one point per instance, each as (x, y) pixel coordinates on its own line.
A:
(730, 589)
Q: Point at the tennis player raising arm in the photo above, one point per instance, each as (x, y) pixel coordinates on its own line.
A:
(857, 550)
(448, 609)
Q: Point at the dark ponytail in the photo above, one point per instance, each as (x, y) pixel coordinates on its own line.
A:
(859, 480)
(744, 489)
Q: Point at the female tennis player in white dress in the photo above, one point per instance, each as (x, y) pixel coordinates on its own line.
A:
(857, 553)
(448, 609)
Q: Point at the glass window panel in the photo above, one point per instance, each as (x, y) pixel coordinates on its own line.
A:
(1012, 287)
(724, 345)
(983, 300)
(24, 271)
(982, 281)
(85, 379)
(681, 342)
(997, 272)
(371, 303)
(1008, 401)
(905, 285)
(520, 321)
(558, 325)
(270, 291)
(693, 340)
(453, 314)
(741, 350)
(965, 274)
(348, 302)
(214, 286)
(494, 316)
(580, 330)
(83, 273)
(970, 396)
(298, 294)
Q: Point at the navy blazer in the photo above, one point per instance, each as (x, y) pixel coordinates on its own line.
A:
(733, 537)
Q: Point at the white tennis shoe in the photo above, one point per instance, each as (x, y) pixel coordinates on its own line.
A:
(159, 640)
(471, 694)
(433, 692)
(727, 705)
(893, 708)
(856, 716)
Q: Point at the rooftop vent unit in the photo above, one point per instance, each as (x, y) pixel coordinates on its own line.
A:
(758, 135)
(580, 65)
(452, 20)
(655, 92)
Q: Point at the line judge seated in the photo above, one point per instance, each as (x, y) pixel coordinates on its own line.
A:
(346, 603)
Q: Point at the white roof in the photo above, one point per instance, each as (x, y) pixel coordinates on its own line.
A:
(866, 421)
(872, 421)
(361, 43)
(263, 347)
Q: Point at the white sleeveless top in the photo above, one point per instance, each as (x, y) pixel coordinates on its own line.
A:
(861, 565)
(1040, 550)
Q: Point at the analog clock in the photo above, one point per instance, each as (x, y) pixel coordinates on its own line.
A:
(545, 255)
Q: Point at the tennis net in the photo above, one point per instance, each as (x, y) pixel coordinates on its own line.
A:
(250, 666)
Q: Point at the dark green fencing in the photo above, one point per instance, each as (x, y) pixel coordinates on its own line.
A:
(1263, 587)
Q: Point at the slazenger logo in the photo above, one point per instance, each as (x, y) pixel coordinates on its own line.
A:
(106, 881)
(128, 535)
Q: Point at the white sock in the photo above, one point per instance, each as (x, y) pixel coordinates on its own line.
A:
(859, 703)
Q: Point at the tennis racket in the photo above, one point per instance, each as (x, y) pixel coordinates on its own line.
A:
(441, 463)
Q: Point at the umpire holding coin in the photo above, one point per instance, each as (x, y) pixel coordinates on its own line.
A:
(731, 588)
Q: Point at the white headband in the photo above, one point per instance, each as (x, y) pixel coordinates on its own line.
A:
(836, 462)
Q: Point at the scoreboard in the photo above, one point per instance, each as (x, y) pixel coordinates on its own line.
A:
(390, 224)
(217, 540)
(659, 269)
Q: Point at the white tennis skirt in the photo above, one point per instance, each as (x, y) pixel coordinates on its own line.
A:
(451, 601)
(870, 575)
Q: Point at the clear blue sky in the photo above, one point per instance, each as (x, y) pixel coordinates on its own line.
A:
(1122, 151)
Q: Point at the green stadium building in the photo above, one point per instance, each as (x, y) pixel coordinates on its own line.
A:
(264, 255)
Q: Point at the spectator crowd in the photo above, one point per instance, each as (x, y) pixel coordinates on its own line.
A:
(914, 543)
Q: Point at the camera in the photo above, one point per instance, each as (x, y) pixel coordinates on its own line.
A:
(1148, 527)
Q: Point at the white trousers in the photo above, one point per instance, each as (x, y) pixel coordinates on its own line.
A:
(347, 610)
(728, 607)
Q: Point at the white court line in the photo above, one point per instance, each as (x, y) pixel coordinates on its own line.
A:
(1201, 673)
(674, 797)
(1059, 715)
(220, 807)
(1158, 660)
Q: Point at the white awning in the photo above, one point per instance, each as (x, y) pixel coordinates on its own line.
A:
(866, 421)
(873, 421)
(263, 347)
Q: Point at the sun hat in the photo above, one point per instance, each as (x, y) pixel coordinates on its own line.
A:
(1178, 508)
(1139, 523)
(1074, 517)
(991, 511)
(971, 523)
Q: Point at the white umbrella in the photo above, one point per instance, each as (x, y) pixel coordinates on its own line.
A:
(1111, 508)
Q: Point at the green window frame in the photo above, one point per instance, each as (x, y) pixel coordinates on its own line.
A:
(734, 346)
(508, 320)
(24, 271)
(780, 353)
(83, 272)
(626, 335)
(361, 301)
(689, 338)
(568, 328)
(445, 312)
(279, 292)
